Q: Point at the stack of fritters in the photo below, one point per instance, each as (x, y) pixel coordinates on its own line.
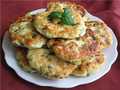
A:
(60, 41)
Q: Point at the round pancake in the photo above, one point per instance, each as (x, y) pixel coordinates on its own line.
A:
(73, 50)
(90, 64)
(67, 50)
(101, 33)
(48, 65)
(56, 29)
(22, 59)
(22, 33)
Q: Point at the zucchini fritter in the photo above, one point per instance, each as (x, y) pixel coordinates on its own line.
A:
(60, 21)
(73, 50)
(22, 33)
(48, 65)
(101, 33)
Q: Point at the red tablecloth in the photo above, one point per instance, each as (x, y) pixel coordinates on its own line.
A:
(107, 10)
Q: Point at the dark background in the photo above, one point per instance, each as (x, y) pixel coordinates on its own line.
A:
(107, 10)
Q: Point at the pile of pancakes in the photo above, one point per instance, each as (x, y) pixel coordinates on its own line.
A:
(60, 41)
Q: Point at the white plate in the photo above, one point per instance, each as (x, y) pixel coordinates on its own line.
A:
(110, 53)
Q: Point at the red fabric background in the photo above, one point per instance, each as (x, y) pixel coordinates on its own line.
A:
(107, 10)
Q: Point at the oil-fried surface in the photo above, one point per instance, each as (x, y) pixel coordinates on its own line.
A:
(48, 65)
(57, 30)
(102, 34)
(73, 50)
(68, 50)
(22, 33)
(90, 64)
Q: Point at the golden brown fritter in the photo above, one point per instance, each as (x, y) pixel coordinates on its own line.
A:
(68, 50)
(22, 33)
(56, 29)
(101, 33)
(73, 50)
(48, 65)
